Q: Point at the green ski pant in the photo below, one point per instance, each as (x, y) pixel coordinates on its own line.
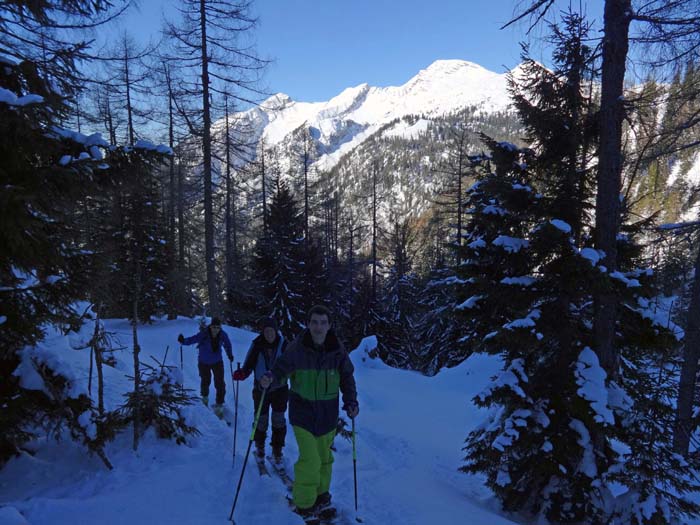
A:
(312, 472)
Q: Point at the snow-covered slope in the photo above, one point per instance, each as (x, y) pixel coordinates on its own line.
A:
(410, 433)
(343, 122)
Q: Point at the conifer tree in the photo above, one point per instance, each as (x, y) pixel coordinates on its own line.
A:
(439, 343)
(347, 285)
(527, 282)
(396, 346)
(47, 170)
(669, 35)
(278, 263)
(133, 242)
(136, 268)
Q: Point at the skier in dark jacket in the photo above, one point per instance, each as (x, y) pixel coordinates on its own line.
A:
(318, 368)
(261, 357)
(209, 342)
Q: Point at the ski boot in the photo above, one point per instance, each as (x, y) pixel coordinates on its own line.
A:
(323, 501)
(308, 515)
(323, 508)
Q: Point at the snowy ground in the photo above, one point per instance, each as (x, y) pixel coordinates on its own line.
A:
(410, 433)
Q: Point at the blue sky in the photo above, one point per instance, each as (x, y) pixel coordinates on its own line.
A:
(320, 47)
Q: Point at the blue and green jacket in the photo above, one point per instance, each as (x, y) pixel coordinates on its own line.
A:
(316, 377)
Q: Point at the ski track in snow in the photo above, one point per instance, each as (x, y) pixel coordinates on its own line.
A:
(410, 433)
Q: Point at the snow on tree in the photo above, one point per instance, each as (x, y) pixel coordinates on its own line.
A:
(562, 429)
(47, 169)
(278, 263)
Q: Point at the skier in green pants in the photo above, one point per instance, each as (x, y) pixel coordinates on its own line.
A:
(318, 368)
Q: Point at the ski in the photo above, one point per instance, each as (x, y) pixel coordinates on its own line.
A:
(281, 471)
(224, 414)
(262, 468)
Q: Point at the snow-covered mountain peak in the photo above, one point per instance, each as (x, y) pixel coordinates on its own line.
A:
(347, 119)
(348, 94)
(446, 86)
(448, 67)
(349, 99)
(448, 72)
(277, 102)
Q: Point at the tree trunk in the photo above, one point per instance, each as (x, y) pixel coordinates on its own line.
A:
(689, 371)
(336, 226)
(136, 249)
(97, 349)
(264, 188)
(374, 234)
(327, 227)
(230, 220)
(77, 116)
(110, 123)
(174, 302)
(462, 153)
(137, 369)
(351, 261)
(127, 84)
(92, 354)
(209, 255)
(581, 182)
(181, 262)
(137, 349)
(615, 46)
(306, 190)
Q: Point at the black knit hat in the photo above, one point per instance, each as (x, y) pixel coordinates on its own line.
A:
(215, 321)
(269, 322)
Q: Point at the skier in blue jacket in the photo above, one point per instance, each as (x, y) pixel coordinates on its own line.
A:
(209, 342)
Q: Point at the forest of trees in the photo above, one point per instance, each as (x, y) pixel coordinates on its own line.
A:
(554, 236)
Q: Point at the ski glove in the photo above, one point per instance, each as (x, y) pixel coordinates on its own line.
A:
(240, 374)
(180, 338)
(266, 379)
(352, 408)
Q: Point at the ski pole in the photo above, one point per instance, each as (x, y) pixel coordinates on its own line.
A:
(90, 379)
(182, 371)
(235, 416)
(245, 461)
(354, 468)
(165, 357)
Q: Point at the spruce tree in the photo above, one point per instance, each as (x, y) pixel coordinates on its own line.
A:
(278, 263)
(564, 429)
(132, 242)
(397, 324)
(46, 171)
(439, 343)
